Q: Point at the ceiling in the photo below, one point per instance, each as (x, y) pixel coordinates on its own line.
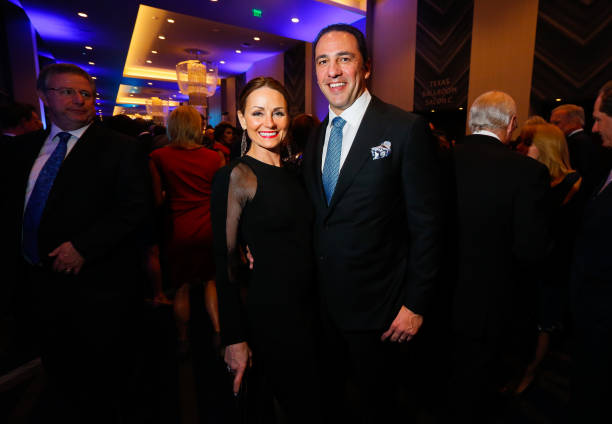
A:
(123, 33)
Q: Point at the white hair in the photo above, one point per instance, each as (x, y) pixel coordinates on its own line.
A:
(491, 111)
(572, 112)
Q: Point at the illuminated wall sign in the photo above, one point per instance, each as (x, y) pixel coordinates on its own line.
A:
(257, 13)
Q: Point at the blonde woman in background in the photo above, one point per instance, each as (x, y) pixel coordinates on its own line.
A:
(546, 144)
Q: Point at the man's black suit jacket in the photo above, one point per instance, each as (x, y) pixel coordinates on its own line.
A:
(376, 242)
(501, 229)
(100, 200)
(592, 270)
(591, 160)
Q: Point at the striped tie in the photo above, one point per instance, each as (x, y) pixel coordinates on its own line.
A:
(331, 168)
(38, 198)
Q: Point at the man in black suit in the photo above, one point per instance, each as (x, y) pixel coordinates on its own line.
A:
(372, 174)
(586, 156)
(591, 297)
(76, 200)
(501, 230)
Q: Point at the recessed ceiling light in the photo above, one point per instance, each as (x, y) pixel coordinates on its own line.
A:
(97, 94)
(97, 104)
(149, 61)
(460, 108)
(214, 1)
(211, 70)
(82, 14)
(238, 51)
(154, 51)
(557, 100)
(256, 38)
(91, 63)
(295, 20)
(88, 48)
(94, 77)
(131, 95)
(150, 83)
(170, 21)
(222, 62)
(433, 110)
(161, 37)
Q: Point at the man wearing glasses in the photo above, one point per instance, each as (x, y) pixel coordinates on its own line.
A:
(76, 197)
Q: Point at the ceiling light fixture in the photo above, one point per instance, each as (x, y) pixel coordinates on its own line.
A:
(238, 51)
(88, 48)
(154, 51)
(91, 63)
(256, 38)
(150, 83)
(557, 100)
(131, 95)
(222, 62)
(94, 77)
(82, 14)
(149, 61)
(295, 20)
(161, 37)
(170, 21)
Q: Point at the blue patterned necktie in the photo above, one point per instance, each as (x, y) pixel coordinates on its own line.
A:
(38, 198)
(331, 168)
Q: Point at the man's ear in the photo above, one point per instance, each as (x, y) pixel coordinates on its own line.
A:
(242, 120)
(43, 97)
(368, 69)
(512, 125)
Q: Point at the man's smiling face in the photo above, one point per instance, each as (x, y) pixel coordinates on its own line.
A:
(341, 73)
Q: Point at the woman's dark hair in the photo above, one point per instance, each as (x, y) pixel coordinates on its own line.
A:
(220, 130)
(301, 127)
(361, 42)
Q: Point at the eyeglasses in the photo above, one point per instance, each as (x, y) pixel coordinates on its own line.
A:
(70, 92)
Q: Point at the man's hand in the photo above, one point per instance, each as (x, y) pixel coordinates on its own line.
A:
(404, 327)
(249, 257)
(238, 357)
(67, 259)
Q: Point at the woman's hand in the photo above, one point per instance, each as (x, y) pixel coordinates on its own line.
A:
(238, 358)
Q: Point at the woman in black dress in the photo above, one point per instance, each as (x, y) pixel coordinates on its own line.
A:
(259, 201)
(546, 143)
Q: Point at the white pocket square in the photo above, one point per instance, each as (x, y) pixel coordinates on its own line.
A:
(381, 151)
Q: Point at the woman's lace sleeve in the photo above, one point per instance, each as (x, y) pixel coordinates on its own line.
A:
(232, 189)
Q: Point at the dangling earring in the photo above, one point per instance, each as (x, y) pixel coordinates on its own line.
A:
(243, 144)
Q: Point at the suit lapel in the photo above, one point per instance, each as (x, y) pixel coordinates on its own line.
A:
(84, 147)
(370, 130)
(317, 163)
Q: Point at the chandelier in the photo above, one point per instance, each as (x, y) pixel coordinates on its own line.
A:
(197, 79)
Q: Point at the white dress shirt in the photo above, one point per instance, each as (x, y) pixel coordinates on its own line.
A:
(353, 116)
(575, 132)
(45, 152)
(489, 133)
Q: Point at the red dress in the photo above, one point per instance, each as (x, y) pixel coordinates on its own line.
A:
(187, 176)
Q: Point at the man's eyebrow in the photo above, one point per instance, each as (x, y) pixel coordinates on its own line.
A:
(342, 53)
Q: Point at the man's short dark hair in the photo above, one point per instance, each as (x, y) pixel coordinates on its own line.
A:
(606, 98)
(12, 115)
(61, 68)
(361, 42)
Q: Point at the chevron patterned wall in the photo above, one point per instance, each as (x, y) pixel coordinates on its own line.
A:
(573, 50)
(295, 69)
(444, 34)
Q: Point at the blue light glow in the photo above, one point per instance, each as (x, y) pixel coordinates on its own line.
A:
(54, 27)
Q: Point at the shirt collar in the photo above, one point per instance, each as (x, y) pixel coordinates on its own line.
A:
(489, 133)
(354, 111)
(575, 132)
(55, 130)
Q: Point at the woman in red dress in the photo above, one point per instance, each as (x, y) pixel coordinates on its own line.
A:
(182, 175)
